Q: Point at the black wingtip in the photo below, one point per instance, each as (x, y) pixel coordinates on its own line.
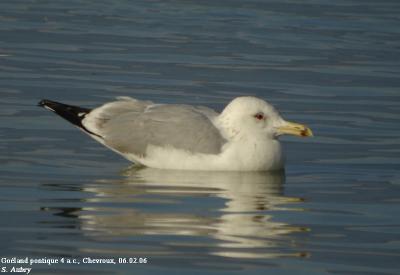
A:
(43, 103)
(53, 105)
(73, 114)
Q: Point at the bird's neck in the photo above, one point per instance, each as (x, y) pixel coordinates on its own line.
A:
(262, 153)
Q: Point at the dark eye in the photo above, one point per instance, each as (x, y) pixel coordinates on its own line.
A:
(259, 116)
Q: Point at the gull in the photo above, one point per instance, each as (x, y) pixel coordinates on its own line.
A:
(243, 137)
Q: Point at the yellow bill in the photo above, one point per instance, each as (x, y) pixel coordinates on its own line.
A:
(296, 129)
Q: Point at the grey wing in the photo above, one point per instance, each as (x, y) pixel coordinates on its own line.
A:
(180, 126)
(96, 120)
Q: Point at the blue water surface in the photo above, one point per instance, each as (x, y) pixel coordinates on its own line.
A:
(333, 65)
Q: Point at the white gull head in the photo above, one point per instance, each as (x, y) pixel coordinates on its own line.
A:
(252, 127)
(246, 117)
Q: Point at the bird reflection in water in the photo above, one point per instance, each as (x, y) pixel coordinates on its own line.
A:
(234, 209)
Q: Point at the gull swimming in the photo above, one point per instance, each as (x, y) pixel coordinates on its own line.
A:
(243, 137)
